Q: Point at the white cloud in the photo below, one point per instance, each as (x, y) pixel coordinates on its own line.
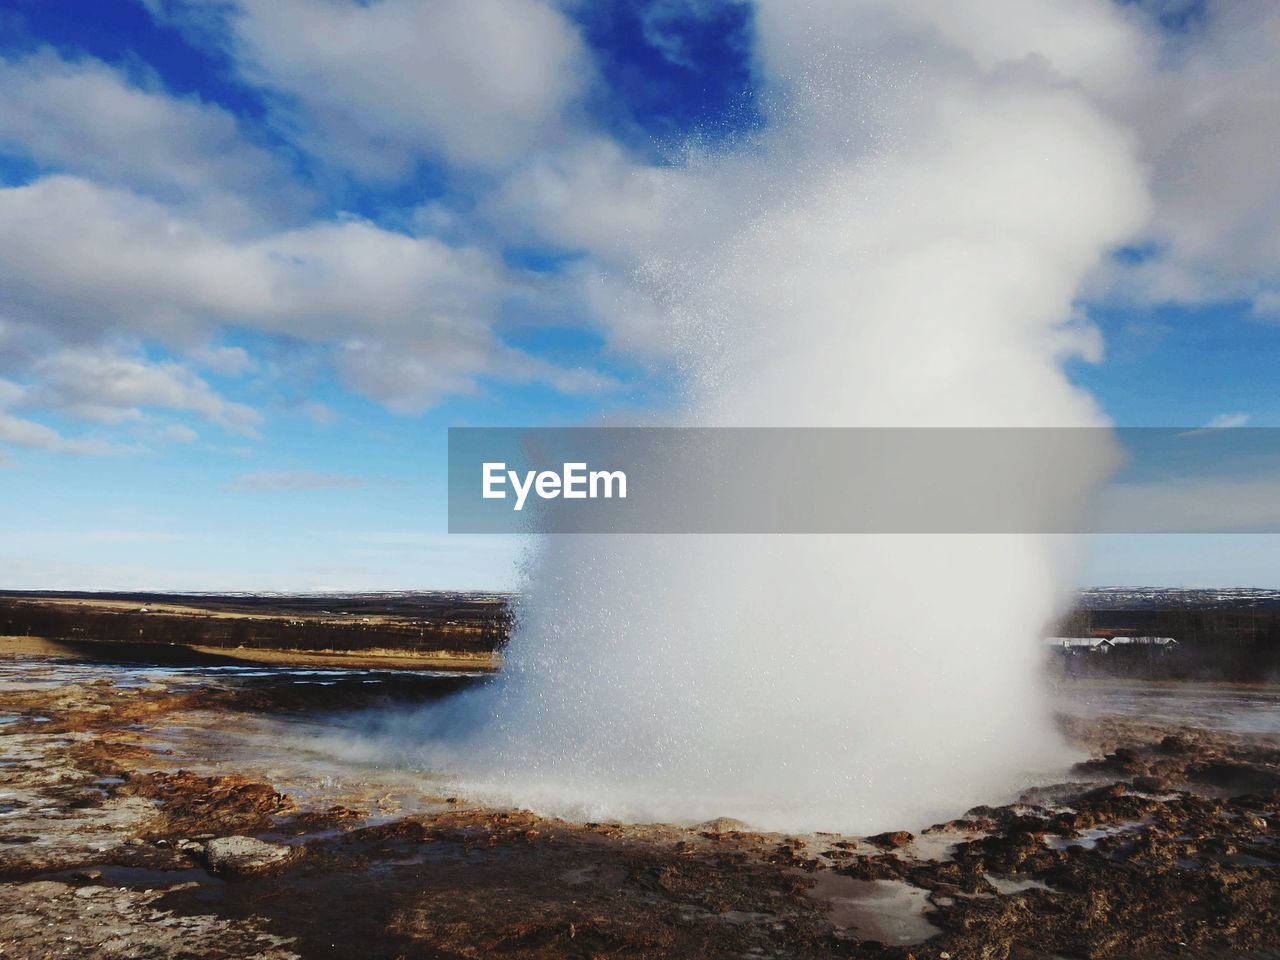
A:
(1226, 420)
(1092, 43)
(1266, 305)
(10, 394)
(374, 86)
(125, 251)
(21, 432)
(176, 433)
(321, 414)
(84, 259)
(1197, 103)
(523, 367)
(36, 436)
(591, 196)
(408, 380)
(146, 233)
(106, 387)
(298, 480)
(1204, 109)
(662, 24)
(86, 117)
(408, 319)
(224, 361)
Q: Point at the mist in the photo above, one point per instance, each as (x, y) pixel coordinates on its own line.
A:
(901, 244)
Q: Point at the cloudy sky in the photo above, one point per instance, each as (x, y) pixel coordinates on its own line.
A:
(257, 255)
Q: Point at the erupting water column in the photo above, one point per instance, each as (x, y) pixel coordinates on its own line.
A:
(901, 245)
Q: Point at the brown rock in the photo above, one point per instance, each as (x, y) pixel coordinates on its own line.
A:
(245, 857)
(891, 841)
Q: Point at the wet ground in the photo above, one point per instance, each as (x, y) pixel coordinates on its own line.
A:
(167, 812)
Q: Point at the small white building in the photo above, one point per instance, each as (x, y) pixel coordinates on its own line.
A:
(1107, 644)
(1080, 644)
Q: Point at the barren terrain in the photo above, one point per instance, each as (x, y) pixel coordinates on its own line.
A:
(163, 813)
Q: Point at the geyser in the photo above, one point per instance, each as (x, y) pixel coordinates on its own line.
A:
(900, 244)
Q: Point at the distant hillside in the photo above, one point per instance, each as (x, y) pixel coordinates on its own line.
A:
(1141, 598)
(412, 622)
(1222, 634)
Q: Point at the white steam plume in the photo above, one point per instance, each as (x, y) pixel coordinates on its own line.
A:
(901, 246)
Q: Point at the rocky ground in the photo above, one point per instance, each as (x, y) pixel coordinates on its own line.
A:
(120, 837)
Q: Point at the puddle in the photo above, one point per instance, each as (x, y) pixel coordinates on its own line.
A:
(937, 844)
(1244, 711)
(578, 877)
(886, 910)
(17, 674)
(1244, 860)
(300, 839)
(292, 754)
(133, 877)
(1007, 886)
(1088, 839)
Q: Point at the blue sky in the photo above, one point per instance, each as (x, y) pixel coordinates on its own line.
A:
(262, 255)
